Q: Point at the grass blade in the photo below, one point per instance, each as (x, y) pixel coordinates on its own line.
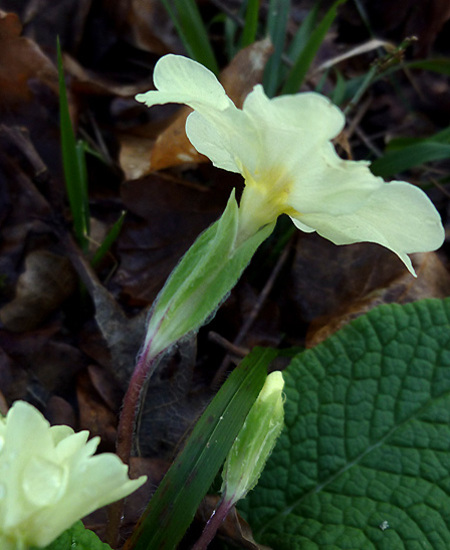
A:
(251, 23)
(191, 29)
(394, 162)
(397, 144)
(111, 236)
(73, 164)
(276, 29)
(304, 32)
(174, 504)
(304, 60)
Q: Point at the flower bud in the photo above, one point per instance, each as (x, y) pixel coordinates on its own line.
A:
(255, 441)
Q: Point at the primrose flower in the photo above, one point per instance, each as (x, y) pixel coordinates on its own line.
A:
(49, 478)
(282, 147)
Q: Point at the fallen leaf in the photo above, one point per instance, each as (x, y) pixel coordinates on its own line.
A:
(36, 365)
(165, 217)
(433, 281)
(21, 61)
(95, 415)
(48, 280)
(146, 25)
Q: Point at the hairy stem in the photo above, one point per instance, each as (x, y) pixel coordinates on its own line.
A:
(125, 432)
(213, 524)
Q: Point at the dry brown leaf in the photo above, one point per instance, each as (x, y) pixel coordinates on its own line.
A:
(150, 27)
(325, 278)
(433, 281)
(35, 364)
(89, 83)
(165, 218)
(172, 147)
(95, 415)
(47, 281)
(60, 411)
(21, 62)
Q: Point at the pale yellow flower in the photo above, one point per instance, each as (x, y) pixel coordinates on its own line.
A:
(282, 147)
(49, 478)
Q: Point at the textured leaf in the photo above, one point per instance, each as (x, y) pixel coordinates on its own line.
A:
(78, 537)
(366, 441)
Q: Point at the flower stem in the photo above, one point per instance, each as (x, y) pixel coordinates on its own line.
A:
(125, 431)
(213, 524)
(145, 366)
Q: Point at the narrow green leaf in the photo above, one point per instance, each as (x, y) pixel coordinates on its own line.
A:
(174, 504)
(340, 89)
(394, 162)
(77, 537)
(437, 65)
(400, 143)
(230, 29)
(110, 238)
(304, 32)
(364, 460)
(73, 164)
(276, 28)
(191, 29)
(83, 183)
(306, 56)
(251, 23)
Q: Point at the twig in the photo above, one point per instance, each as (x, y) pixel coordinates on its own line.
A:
(227, 345)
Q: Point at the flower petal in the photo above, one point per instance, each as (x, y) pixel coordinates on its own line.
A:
(49, 478)
(312, 115)
(397, 216)
(224, 138)
(179, 79)
(104, 480)
(291, 129)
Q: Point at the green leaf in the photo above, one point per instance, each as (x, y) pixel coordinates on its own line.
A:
(74, 164)
(340, 89)
(173, 506)
(394, 162)
(304, 59)
(437, 65)
(251, 23)
(78, 537)
(191, 29)
(367, 439)
(110, 238)
(304, 32)
(277, 21)
(202, 279)
(397, 144)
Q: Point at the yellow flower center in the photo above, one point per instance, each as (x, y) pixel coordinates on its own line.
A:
(264, 198)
